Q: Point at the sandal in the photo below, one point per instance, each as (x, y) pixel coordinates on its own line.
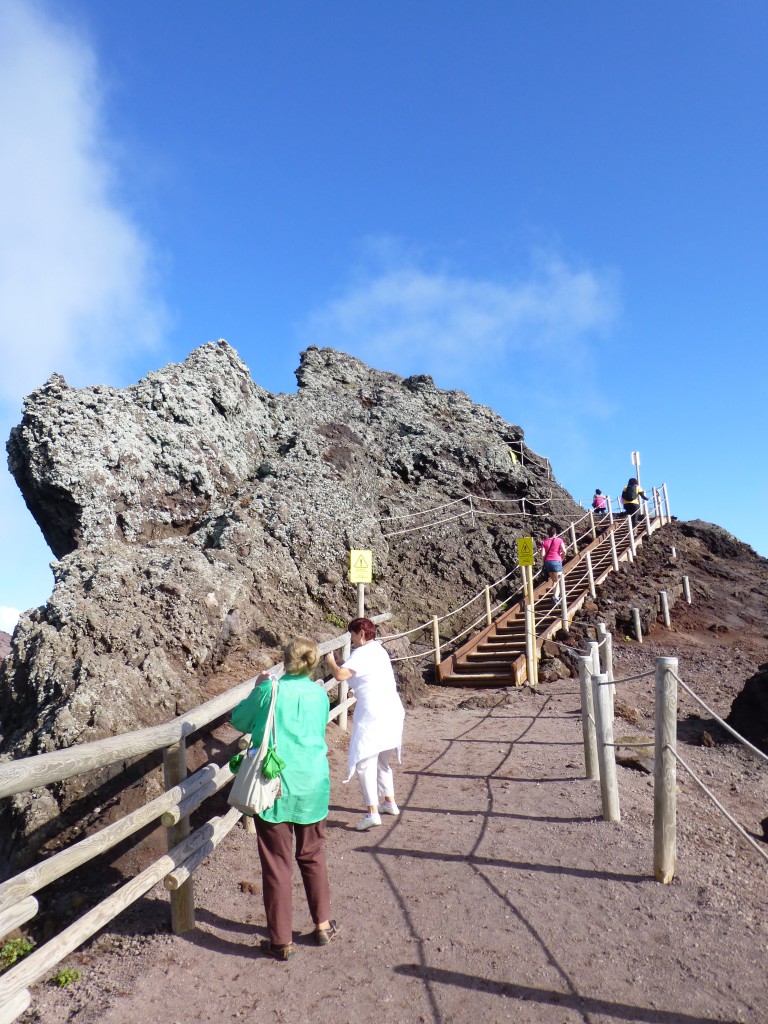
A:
(281, 953)
(325, 935)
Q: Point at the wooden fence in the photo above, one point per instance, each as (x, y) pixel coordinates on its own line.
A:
(186, 849)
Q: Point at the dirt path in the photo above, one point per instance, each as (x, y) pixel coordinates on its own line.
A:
(500, 894)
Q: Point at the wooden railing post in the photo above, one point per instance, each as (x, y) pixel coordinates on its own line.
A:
(609, 787)
(647, 518)
(687, 589)
(664, 601)
(610, 509)
(588, 718)
(590, 575)
(183, 898)
(614, 552)
(637, 625)
(592, 524)
(436, 638)
(632, 545)
(665, 772)
(666, 502)
(488, 616)
(572, 530)
(563, 602)
(606, 642)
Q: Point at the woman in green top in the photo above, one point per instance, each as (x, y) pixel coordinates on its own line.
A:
(301, 717)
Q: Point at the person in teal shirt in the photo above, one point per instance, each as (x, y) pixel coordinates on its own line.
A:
(301, 718)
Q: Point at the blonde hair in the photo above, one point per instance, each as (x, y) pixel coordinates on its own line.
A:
(300, 656)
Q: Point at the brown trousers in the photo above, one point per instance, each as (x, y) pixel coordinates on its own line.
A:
(276, 856)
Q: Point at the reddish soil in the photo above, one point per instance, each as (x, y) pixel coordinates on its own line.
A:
(500, 894)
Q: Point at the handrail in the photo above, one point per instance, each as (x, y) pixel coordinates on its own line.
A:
(56, 765)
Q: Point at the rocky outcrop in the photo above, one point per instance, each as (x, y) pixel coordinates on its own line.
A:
(198, 520)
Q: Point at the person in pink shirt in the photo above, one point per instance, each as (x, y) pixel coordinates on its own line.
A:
(599, 503)
(553, 551)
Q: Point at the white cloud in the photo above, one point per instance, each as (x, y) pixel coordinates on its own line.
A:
(8, 619)
(413, 320)
(76, 288)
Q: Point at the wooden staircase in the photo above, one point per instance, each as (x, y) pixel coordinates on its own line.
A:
(495, 656)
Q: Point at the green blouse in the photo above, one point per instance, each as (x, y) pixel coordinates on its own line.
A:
(301, 718)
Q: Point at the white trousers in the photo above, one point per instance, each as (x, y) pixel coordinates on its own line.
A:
(375, 775)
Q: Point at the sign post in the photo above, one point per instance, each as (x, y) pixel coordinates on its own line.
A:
(636, 464)
(525, 558)
(360, 572)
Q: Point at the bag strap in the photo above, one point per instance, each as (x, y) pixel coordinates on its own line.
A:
(269, 726)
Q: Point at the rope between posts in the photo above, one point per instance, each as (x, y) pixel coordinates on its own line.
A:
(428, 526)
(425, 512)
(719, 806)
(629, 679)
(739, 737)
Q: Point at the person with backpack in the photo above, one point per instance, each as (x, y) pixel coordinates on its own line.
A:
(630, 498)
(553, 551)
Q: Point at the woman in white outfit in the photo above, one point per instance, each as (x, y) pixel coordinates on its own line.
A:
(377, 729)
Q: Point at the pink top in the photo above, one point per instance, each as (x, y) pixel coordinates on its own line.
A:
(552, 549)
(598, 501)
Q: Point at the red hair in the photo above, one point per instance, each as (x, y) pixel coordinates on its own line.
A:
(364, 626)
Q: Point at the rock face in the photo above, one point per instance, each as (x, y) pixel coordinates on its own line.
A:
(199, 520)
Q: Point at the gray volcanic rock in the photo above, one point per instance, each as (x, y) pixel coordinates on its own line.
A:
(199, 521)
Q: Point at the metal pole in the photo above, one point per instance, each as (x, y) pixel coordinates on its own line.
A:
(665, 772)
(609, 787)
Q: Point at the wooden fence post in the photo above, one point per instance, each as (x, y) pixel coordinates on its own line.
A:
(637, 625)
(665, 772)
(563, 602)
(488, 616)
(588, 718)
(592, 524)
(436, 638)
(572, 529)
(183, 898)
(632, 545)
(346, 650)
(606, 642)
(530, 646)
(687, 589)
(614, 552)
(590, 575)
(610, 510)
(647, 518)
(664, 601)
(609, 787)
(666, 502)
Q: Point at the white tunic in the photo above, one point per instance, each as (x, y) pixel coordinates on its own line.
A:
(377, 722)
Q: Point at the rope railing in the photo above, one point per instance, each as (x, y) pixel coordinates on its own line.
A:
(720, 721)
(739, 828)
(428, 526)
(424, 512)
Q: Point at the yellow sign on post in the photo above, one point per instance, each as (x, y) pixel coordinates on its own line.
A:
(360, 566)
(525, 550)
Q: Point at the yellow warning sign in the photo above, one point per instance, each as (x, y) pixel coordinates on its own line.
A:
(525, 550)
(360, 566)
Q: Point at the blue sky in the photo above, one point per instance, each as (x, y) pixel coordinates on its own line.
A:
(559, 208)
